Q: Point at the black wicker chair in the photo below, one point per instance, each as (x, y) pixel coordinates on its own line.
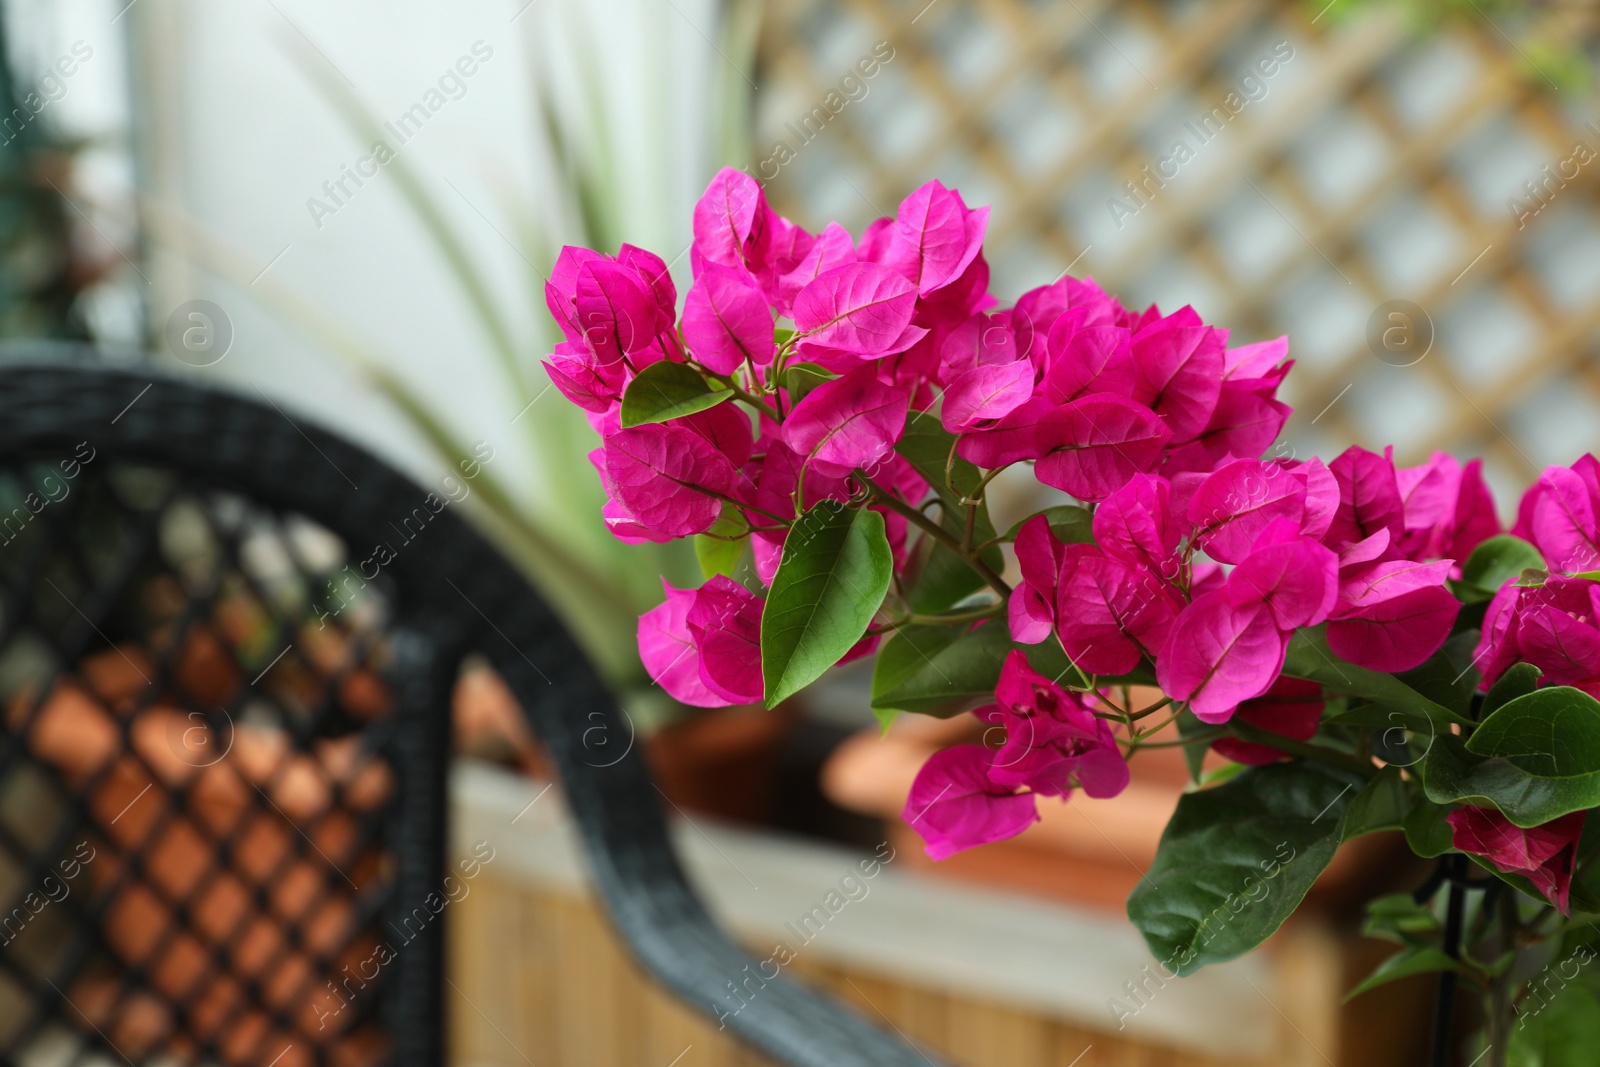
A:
(225, 740)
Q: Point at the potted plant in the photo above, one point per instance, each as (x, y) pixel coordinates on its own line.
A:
(1359, 644)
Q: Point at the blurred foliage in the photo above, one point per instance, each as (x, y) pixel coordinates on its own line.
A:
(554, 529)
(1556, 65)
(41, 276)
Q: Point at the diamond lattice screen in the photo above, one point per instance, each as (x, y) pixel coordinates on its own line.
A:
(1360, 160)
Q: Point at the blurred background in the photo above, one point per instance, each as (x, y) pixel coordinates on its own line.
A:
(350, 209)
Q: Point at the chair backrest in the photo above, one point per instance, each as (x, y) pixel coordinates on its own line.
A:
(227, 643)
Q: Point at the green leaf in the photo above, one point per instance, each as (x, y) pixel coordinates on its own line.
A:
(908, 651)
(1492, 564)
(720, 548)
(1552, 732)
(1427, 832)
(1194, 756)
(781, 335)
(1414, 959)
(935, 676)
(944, 578)
(1399, 918)
(801, 378)
(1451, 775)
(1559, 1030)
(1070, 523)
(926, 446)
(1519, 680)
(1309, 657)
(1235, 862)
(668, 390)
(1448, 678)
(1382, 804)
(831, 580)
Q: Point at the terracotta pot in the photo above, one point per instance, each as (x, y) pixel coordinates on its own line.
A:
(718, 761)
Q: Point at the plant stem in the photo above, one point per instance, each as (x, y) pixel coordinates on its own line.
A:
(1498, 1023)
(935, 531)
(1331, 756)
(952, 617)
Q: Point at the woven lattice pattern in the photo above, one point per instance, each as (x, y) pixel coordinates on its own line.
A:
(1358, 162)
(195, 780)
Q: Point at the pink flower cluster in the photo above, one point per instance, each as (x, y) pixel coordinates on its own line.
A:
(1205, 558)
(1553, 624)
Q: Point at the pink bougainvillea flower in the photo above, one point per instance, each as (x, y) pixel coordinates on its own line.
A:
(1392, 616)
(1052, 739)
(849, 422)
(1296, 577)
(725, 428)
(616, 310)
(1257, 362)
(561, 290)
(1447, 508)
(1001, 337)
(1292, 708)
(1239, 500)
(1219, 653)
(1134, 525)
(1032, 608)
(955, 805)
(1180, 372)
(1558, 631)
(726, 320)
(1028, 432)
(670, 479)
(986, 393)
(588, 383)
(668, 650)
(653, 271)
(725, 218)
(1244, 423)
(1564, 521)
(859, 311)
(1498, 647)
(1109, 614)
(1369, 498)
(725, 624)
(1105, 441)
(832, 248)
(1087, 359)
(1545, 855)
(935, 237)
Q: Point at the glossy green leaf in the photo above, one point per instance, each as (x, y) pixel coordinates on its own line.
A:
(1552, 732)
(1382, 804)
(936, 676)
(1448, 678)
(1427, 832)
(944, 578)
(1309, 657)
(1492, 564)
(1519, 680)
(831, 580)
(1072, 525)
(1413, 959)
(801, 378)
(720, 548)
(908, 651)
(1452, 775)
(668, 390)
(1235, 862)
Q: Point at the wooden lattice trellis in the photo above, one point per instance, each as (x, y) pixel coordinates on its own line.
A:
(1378, 166)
